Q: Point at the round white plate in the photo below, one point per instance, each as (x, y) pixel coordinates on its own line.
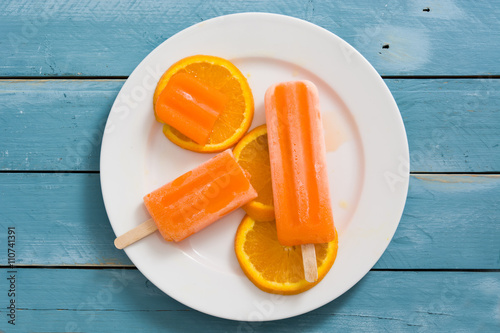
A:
(368, 162)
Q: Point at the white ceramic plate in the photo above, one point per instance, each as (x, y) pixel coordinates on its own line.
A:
(368, 162)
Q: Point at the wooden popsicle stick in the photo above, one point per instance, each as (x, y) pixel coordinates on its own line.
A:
(309, 260)
(142, 230)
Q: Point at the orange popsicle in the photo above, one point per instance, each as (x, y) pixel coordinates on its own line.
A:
(199, 197)
(298, 164)
(190, 106)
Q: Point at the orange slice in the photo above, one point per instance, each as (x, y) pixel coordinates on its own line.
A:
(252, 154)
(275, 268)
(222, 75)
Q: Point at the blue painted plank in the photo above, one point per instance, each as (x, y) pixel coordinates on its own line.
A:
(59, 220)
(111, 37)
(54, 125)
(452, 125)
(450, 221)
(123, 300)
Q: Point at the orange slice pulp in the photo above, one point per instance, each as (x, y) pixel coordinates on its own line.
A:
(222, 75)
(252, 154)
(275, 268)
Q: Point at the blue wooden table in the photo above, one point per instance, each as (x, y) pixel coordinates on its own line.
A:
(62, 64)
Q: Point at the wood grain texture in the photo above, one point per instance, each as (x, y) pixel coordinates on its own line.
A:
(60, 38)
(124, 300)
(452, 125)
(144, 229)
(58, 217)
(53, 125)
(309, 262)
(450, 222)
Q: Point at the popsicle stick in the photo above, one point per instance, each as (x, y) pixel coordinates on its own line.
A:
(130, 237)
(309, 260)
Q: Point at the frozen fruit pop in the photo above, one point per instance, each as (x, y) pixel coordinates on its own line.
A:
(298, 169)
(190, 106)
(298, 164)
(195, 200)
(199, 197)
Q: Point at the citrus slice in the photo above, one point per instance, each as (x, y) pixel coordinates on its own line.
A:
(222, 75)
(275, 268)
(252, 154)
